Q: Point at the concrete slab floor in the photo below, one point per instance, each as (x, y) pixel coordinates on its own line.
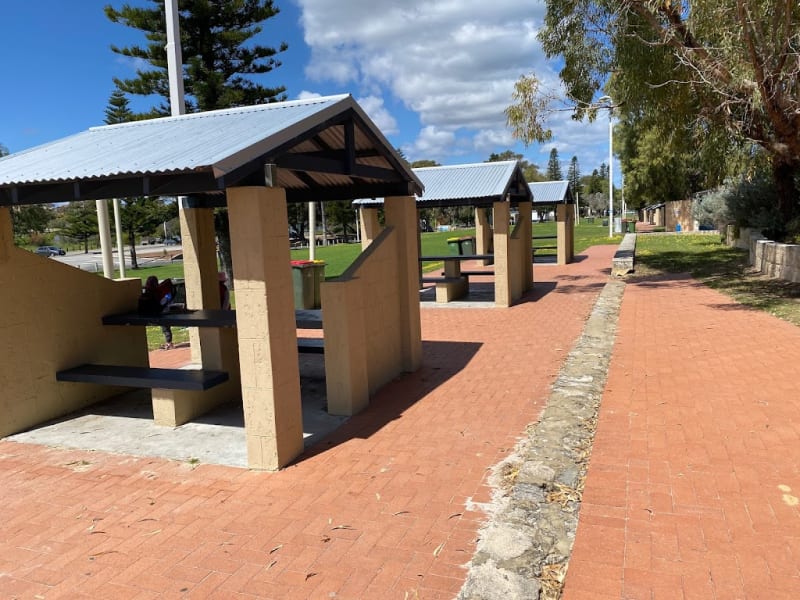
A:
(124, 425)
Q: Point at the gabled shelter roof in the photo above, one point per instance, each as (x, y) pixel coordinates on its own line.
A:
(551, 192)
(324, 148)
(478, 184)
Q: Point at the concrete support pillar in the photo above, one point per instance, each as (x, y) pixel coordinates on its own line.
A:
(212, 348)
(6, 233)
(401, 213)
(526, 245)
(483, 234)
(501, 216)
(368, 222)
(266, 326)
(565, 228)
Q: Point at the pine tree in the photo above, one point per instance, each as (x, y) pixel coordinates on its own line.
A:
(574, 176)
(118, 110)
(554, 167)
(219, 64)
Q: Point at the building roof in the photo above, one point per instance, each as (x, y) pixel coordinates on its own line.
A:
(551, 192)
(324, 148)
(478, 184)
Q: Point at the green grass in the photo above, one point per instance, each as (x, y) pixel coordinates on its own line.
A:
(725, 269)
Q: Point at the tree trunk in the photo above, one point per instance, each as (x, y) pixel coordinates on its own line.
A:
(783, 173)
(222, 229)
(132, 242)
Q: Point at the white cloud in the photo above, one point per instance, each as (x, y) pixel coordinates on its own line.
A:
(373, 106)
(453, 63)
(306, 95)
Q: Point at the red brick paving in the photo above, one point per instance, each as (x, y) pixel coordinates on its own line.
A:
(693, 482)
(378, 510)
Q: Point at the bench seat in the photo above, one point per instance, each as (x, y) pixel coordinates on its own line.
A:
(311, 345)
(439, 257)
(144, 377)
(442, 279)
(305, 319)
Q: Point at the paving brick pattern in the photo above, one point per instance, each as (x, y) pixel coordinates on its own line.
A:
(693, 485)
(381, 509)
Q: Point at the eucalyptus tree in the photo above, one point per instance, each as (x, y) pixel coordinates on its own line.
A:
(726, 70)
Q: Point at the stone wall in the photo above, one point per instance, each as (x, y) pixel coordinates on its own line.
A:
(774, 259)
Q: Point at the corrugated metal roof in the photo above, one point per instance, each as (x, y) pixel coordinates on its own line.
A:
(325, 148)
(216, 139)
(550, 192)
(458, 184)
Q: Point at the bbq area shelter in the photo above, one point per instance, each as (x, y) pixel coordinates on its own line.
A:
(492, 186)
(61, 356)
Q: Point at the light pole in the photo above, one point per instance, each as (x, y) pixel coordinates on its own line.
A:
(608, 101)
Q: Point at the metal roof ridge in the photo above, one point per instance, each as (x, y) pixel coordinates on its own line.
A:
(469, 165)
(227, 111)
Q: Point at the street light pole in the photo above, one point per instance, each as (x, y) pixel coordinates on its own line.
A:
(610, 106)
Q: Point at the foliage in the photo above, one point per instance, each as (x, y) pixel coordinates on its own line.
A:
(341, 217)
(118, 109)
(726, 70)
(3, 150)
(80, 220)
(31, 219)
(426, 162)
(141, 216)
(554, 167)
(218, 60)
(529, 170)
(574, 177)
(711, 209)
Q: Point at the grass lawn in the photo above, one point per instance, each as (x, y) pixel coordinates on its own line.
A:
(340, 256)
(725, 269)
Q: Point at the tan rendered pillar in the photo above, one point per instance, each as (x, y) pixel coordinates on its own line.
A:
(483, 234)
(6, 233)
(502, 273)
(368, 221)
(526, 245)
(346, 376)
(265, 322)
(565, 228)
(401, 213)
(212, 348)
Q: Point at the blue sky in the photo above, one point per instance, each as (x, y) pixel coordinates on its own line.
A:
(434, 75)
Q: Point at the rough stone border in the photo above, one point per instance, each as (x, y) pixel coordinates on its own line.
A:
(524, 549)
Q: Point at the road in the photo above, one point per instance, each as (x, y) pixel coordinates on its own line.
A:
(146, 255)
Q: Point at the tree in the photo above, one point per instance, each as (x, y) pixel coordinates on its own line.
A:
(219, 63)
(32, 219)
(720, 68)
(80, 222)
(426, 162)
(529, 170)
(554, 167)
(574, 177)
(3, 150)
(118, 109)
(141, 216)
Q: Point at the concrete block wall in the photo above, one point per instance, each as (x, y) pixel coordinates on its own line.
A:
(363, 317)
(50, 319)
(774, 259)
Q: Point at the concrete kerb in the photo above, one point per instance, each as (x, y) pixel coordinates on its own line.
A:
(622, 263)
(524, 548)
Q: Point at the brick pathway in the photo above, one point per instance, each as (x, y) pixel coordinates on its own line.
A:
(693, 485)
(381, 509)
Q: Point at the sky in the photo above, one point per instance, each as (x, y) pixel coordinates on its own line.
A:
(434, 75)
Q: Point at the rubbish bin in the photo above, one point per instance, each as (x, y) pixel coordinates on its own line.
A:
(454, 245)
(468, 245)
(318, 268)
(303, 283)
(631, 226)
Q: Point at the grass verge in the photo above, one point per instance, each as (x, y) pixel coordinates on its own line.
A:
(725, 269)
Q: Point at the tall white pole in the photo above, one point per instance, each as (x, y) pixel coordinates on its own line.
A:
(120, 241)
(174, 59)
(105, 238)
(312, 230)
(610, 174)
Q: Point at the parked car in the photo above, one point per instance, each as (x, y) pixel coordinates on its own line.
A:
(49, 251)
